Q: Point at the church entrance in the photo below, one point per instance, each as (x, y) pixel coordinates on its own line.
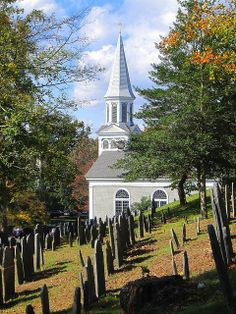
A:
(160, 198)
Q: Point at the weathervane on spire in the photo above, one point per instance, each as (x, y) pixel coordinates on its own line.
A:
(120, 27)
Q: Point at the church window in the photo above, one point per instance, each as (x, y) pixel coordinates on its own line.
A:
(114, 112)
(105, 144)
(159, 198)
(124, 112)
(122, 201)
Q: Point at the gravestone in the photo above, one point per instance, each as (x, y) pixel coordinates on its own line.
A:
(131, 229)
(185, 266)
(29, 309)
(172, 251)
(89, 275)
(8, 269)
(174, 237)
(99, 270)
(81, 258)
(19, 264)
(94, 234)
(109, 259)
(184, 232)
(118, 252)
(149, 224)
(48, 242)
(76, 307)
(44, 300)
(174, 267)
(140, 225)
(111, 234)
(1, 288)
(70, 239)
(30, 255)
(85, 296)
(37, 252)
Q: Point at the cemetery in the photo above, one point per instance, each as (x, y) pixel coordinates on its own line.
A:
(127, 264)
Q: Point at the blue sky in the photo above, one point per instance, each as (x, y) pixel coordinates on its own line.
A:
(143, 21)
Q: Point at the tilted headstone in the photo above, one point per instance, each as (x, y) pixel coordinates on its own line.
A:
(172, 251)
(221, 269)
(99, 270)
(8, 269)
(184, 234)
(81, 258)
(109, 259)
(19, 264)
(76, 307)
(174, 237)
(45, 300)
(89, 275)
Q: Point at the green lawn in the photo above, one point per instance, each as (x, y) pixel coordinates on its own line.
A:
(62, 268)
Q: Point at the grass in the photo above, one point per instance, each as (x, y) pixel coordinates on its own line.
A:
(62, 268)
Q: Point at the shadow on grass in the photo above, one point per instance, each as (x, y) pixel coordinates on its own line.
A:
(49, 272)
(124, 269)
(139, 252)
(138, 260)
(23, 296)
(145, 242)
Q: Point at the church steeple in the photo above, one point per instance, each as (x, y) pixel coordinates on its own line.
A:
(119, 85)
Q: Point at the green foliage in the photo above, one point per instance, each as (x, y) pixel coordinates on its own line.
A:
(144, 204)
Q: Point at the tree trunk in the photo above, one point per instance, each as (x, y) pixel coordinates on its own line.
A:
(181, 191)
(202, 193)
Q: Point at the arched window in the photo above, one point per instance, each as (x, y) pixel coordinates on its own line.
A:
(122, 201)
(160, 198)
(105, 144)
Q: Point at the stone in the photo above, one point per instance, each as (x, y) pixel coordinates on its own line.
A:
(8, 269)
(184, 233)
(12, 241)
(174, 267)
(30, 255)
(174, 237)
(19, 265)
(118, 252)
(85, 296)
(70, 239)
(172, 251)
(1, 288)
(89, 275)
(76, 307)
(29, 309)
(186, 266)
(131, 229)
(109, 259)
(198, 226)
(81, 258)
(111, 234)
(233, 201)
(149, 224)
(44, 300)
(140, 226)
(37, 253)
(94, 234)
(99, 270)
(48, 242)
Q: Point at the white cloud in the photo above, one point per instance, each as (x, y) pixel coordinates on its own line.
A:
(48, 6)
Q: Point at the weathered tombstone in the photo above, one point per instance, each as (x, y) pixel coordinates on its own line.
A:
(8, 269)
(48, 242)
(53, 244)
(140, 225)
(227, 202)
(131, 229)
(109, 259)
(221, 269)
(81, 258)
(37, 252)
(174, 237)
(174, 267)
(185, 266)
(70, 239)
(184, 238)
(29, 309)
(111, 234)
(80, 231)
(118, 252)
(44, 300)
(12, 241)
(172, 251)
(145, 223)
(99, 270)
(76, 307)
(89, 273)
(57, 236)
(85, 296)
(30, 255)
(149, 224)
(94, 234)
(19, 265)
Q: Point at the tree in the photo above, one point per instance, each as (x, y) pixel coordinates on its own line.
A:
(190, 114)
(40, 56)
(83, 156)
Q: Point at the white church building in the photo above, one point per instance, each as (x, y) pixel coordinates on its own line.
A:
(109, 194)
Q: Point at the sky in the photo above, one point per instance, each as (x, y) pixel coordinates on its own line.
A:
(143, 22)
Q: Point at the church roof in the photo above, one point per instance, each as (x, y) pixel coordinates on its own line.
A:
(119, 85)
(102, 166)
(117, 129)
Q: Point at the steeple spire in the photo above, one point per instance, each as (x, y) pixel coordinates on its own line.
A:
(119, 85)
